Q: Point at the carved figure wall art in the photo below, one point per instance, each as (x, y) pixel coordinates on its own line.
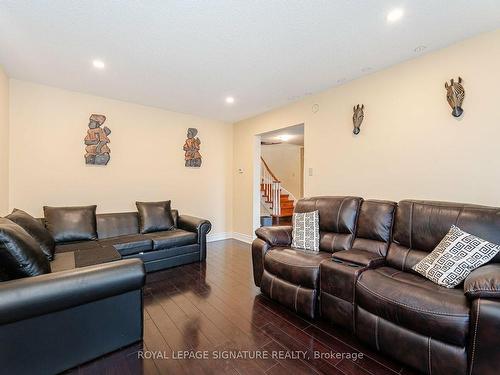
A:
(357, 118)
(96, 141)
(192, 156)
(455, 94)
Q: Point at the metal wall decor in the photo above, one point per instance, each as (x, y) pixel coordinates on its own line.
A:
(192, 156)
(96, 141)
(357, 118)
(455, 94)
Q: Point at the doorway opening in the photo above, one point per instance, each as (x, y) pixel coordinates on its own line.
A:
(281, 180)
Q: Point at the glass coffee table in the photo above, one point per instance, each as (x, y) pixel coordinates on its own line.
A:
(84, 258)
(99, 255)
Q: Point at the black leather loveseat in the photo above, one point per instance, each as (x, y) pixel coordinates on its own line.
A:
(362, 280)
(50, 323)
(185, 243)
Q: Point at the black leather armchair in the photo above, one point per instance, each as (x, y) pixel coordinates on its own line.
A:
(54, 322)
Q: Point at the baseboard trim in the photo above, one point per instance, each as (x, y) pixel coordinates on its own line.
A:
(242, 237)
(219, 236)
(229, 235)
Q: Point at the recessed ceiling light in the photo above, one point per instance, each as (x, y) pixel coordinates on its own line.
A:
(229, 100)
(420, 49)
(284, 137)
(395, 15)
(98, 64)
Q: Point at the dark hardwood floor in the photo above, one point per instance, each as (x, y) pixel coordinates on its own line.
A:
(215, 307)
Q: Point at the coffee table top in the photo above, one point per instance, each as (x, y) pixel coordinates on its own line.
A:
(97, 255)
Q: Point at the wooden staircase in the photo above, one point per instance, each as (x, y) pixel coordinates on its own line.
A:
(278, 199)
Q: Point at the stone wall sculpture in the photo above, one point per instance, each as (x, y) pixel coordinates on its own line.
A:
(96, 141)
(192, 156)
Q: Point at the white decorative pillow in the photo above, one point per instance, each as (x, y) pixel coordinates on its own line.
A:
(458, 254)
(305, 233)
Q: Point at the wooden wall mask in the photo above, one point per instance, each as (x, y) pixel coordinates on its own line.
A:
(357, 118)
(455, 94)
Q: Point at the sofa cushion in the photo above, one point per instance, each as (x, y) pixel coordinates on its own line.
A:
(375, 226)
(455, 257)
(155, 216)
(415, 303)
(74, 246)
(172, 238)
(420, 225)
(131, 244)
(360, 257)
(305, 233)
(67, 224)
(337, 220)
(20, 254)
(296, 266)
(36, 230)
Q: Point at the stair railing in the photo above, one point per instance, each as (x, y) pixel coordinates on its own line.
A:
(271, 187)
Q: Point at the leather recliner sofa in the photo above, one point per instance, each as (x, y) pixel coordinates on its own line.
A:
(362, 280)
(186, 243)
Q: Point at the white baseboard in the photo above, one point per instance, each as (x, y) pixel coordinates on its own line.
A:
(219, 236)
(229, 235)
(242, 237)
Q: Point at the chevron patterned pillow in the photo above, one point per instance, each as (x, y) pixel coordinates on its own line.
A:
(305, 233)
(458, 254)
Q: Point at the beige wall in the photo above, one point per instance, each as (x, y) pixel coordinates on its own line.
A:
(47, 156)
(409, 146)
(4, 143)
(284, 161)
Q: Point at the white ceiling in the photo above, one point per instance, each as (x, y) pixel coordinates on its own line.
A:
(294, 133)
(187, 56)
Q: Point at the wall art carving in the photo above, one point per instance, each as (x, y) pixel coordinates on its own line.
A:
(192, 156)
(455, 94)
(96, 141)
(357, 118)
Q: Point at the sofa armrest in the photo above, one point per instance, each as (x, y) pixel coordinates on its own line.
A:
(194, 224)
(37, 295)
(200, 226)
(483, 282)
(276, 236)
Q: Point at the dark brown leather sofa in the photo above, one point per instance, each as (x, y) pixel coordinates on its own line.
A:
(362, 280)
(187, 243)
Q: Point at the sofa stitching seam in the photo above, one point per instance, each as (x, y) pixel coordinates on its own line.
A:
(429, 349)
(476, 324)
(296, 296)
(408, 306)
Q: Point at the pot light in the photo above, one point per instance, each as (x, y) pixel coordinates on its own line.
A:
(98, 64)
(284, 137)
(229, 100)
(395, 15)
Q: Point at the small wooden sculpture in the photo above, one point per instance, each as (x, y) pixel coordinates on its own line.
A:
(455, 94)
(357, 118)
(96, 141)
(192, 156)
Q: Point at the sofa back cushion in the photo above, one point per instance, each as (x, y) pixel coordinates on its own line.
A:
(20, 254)
(375, 224)
(67, 224)
(35, 229)
(338, 217)
(155, 216)
(419, 226)
(121, 224)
